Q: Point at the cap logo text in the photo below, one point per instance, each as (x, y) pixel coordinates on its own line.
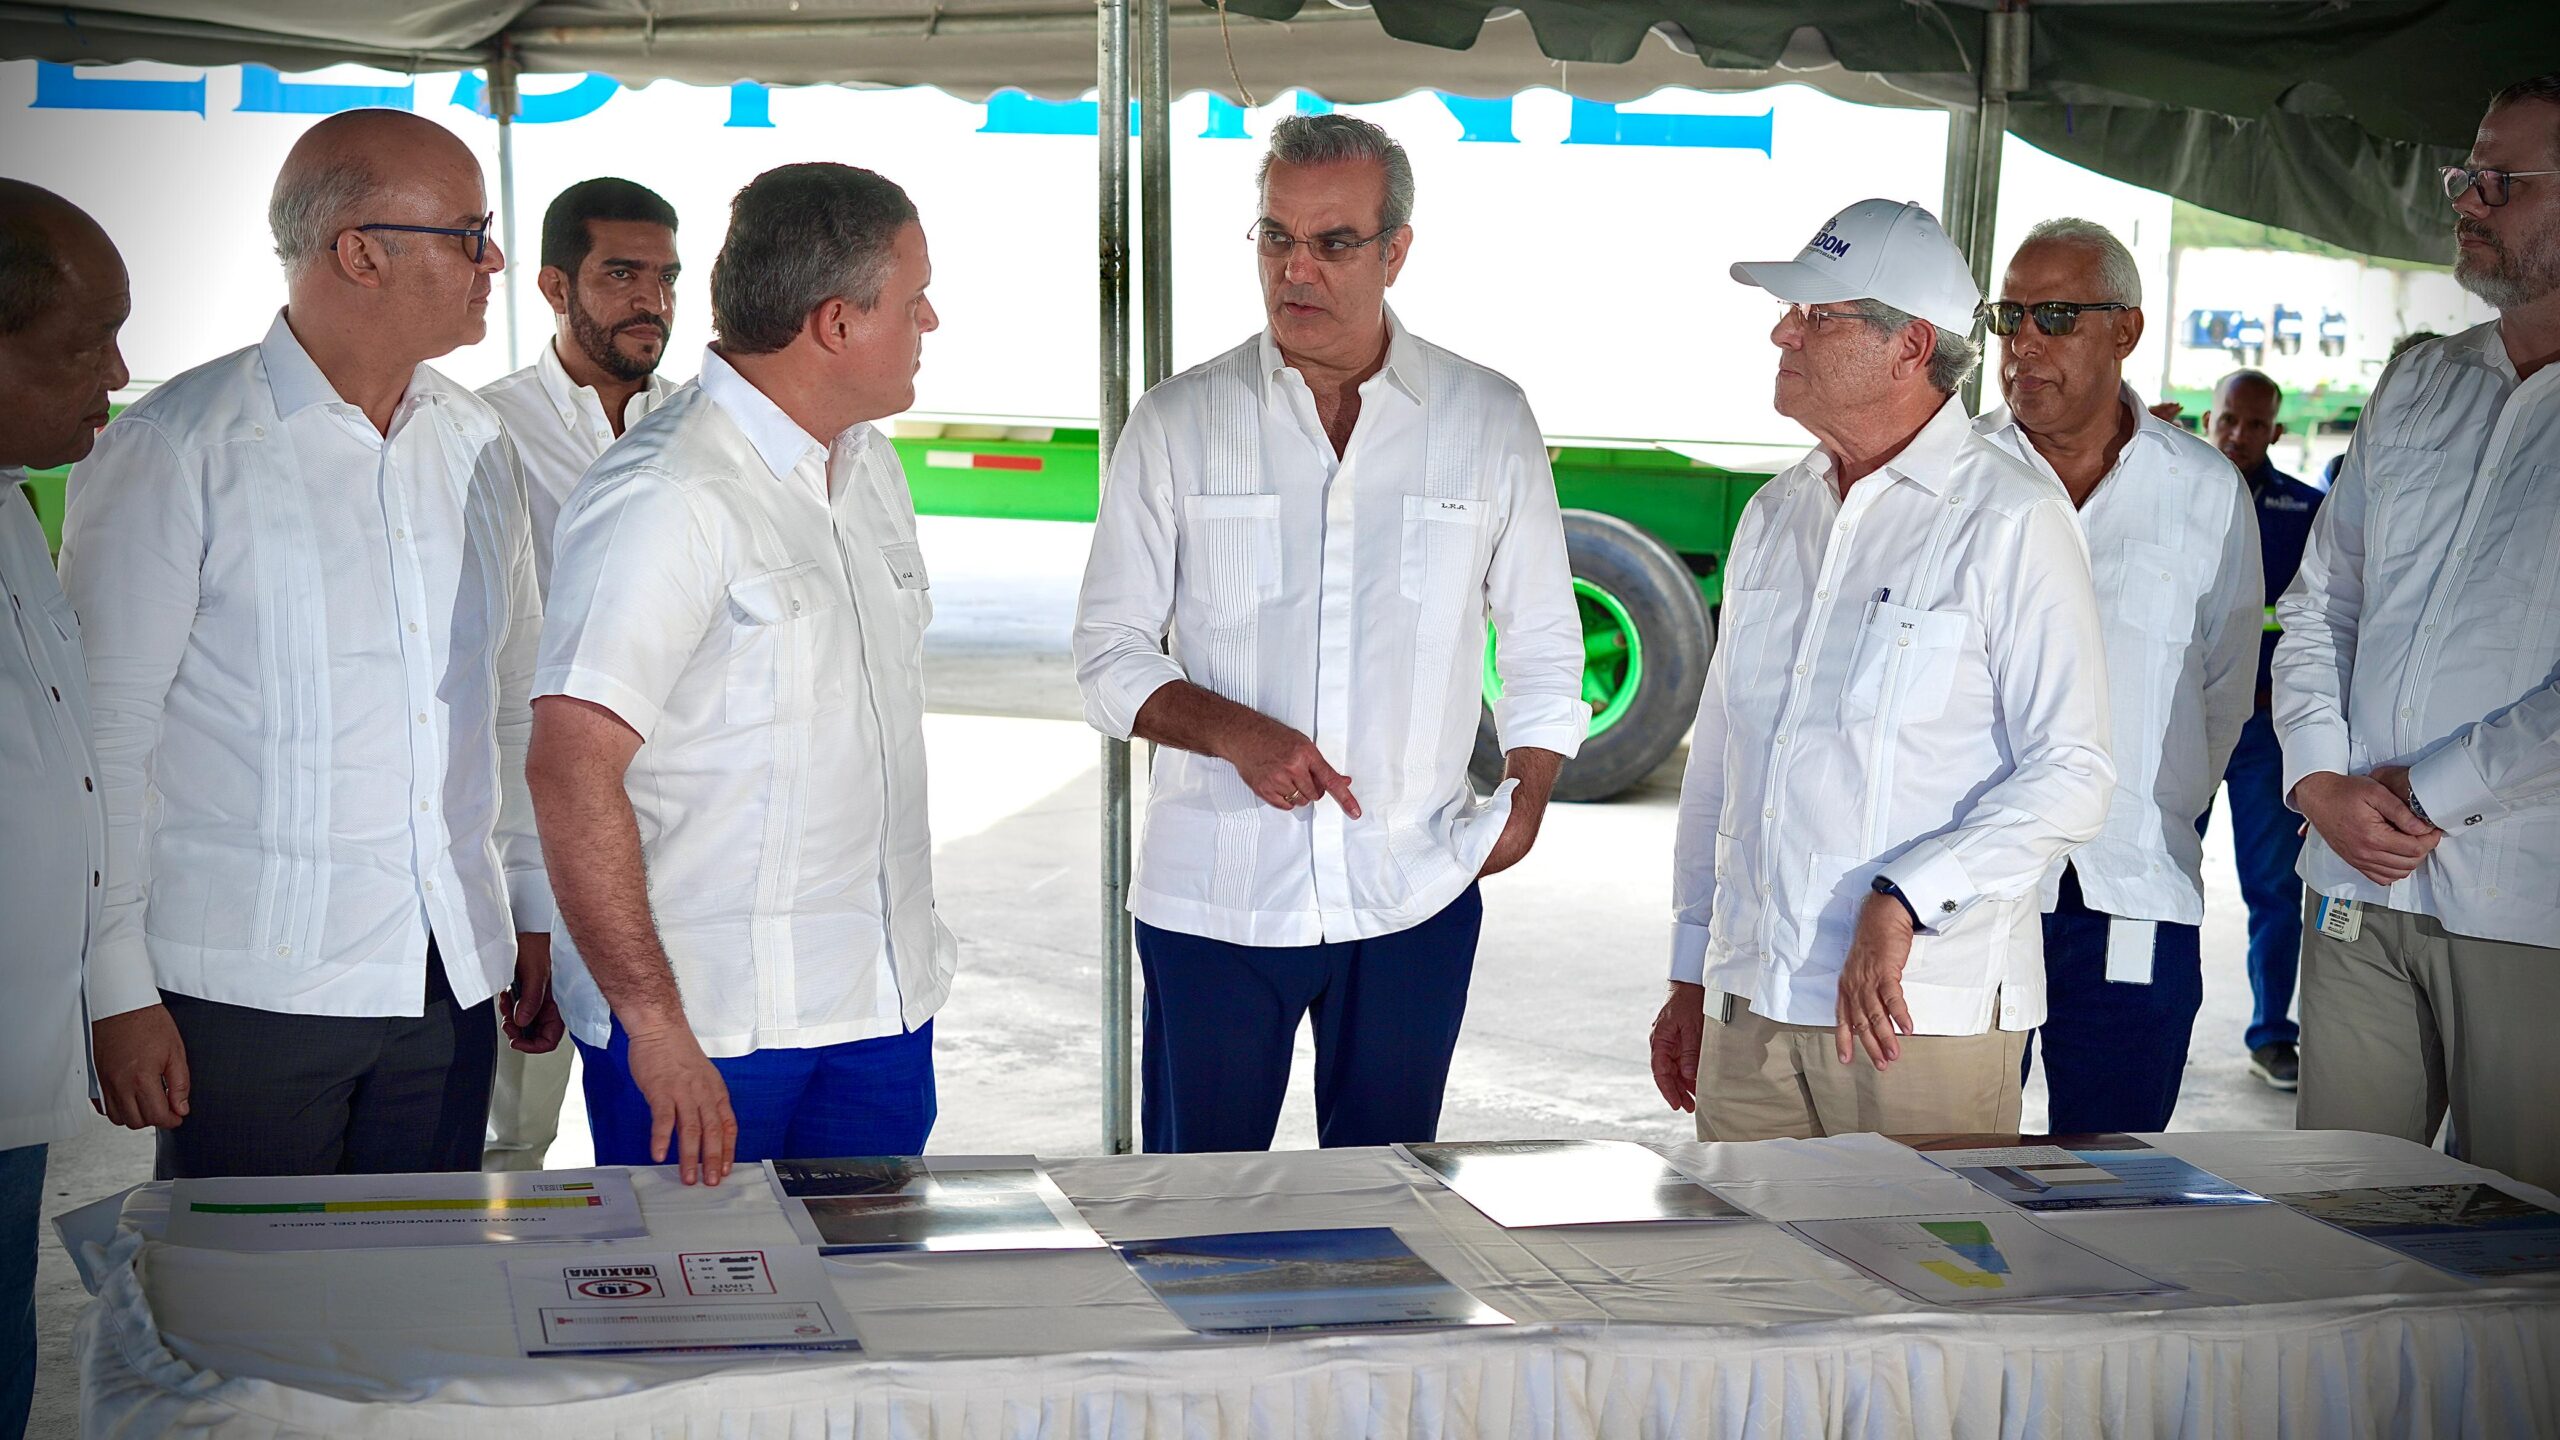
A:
(1830, 244)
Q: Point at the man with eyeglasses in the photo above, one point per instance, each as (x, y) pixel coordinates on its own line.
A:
(306, 588)
(1903, 730)
(1322, 520)
(2172, 549)
(2417, 693)
(609, 271)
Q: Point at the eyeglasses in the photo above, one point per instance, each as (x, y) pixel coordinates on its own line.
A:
(2053, 317)
(1273, 243)
(1811, 318)
(2493, 183)
(478, 234)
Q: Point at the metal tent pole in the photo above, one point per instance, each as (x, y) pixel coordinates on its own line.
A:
(1974, 212)
(502, 104)
(1111, 67)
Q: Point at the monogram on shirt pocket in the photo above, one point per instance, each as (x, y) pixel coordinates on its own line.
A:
(1232, 558)
(1440, 535)
(1905, 662)
(772, 652)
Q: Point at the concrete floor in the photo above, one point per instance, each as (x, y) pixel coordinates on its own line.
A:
(1567, 978)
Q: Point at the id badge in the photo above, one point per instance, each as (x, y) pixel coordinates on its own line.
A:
(2341, 920)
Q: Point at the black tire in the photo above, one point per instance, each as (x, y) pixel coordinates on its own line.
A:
(1672, 627)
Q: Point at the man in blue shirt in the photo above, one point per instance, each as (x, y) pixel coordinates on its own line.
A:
(2266, 836)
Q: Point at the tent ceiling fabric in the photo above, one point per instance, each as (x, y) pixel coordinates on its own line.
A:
(2324, 116)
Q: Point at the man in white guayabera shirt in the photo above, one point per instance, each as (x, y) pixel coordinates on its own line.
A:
(1904, 727)
(1322, 519)
(2173, 544)
(306, 593)
(2417, 693)
(609, 272)
(728, 748)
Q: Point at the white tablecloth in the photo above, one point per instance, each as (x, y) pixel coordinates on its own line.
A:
(2287, 1327)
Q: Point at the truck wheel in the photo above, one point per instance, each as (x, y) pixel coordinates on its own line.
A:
(1646, 638)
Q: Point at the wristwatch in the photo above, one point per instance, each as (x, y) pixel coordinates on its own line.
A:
(2420, 810)
(1883, 885)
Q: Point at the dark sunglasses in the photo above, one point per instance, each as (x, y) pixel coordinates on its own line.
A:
(478, 234)
(2053, 317)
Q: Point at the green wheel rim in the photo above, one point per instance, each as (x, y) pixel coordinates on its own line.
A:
(1612, 656)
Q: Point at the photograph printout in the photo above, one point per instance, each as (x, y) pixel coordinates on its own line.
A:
(2086, 1172)
(1992, 1258)
(851, 1205)
(1277, 1280)
(2479, 1232)
(1525, 1183)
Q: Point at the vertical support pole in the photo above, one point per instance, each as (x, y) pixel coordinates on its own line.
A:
(1975, 214)
(1155, 188)
(1111, 76)
(502, 104)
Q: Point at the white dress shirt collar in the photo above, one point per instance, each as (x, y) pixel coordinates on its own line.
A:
(1405, 367)
(564, 392)
(1924, 461)
(777, 439)
(298, 383)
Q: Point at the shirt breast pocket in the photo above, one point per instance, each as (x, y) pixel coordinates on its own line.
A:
(1904, 665)
(1440, 535)
(1231, 561)
(905, 559)
(2161, 588)
(776, 668)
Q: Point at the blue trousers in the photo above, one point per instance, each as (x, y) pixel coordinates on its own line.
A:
(21, 1205)
(864, 1097)
(2114, 1052)
(1221, 1019)
(2266, 839)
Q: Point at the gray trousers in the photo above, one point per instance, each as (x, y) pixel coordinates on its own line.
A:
(279, 1094)
(2408, 1021)
(524, 1105)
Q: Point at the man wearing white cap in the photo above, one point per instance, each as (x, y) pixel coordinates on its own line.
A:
(1904, 727)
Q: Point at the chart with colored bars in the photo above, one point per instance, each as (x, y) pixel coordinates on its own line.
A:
(358, 1212)
(1978, 1265)
(477, 1203)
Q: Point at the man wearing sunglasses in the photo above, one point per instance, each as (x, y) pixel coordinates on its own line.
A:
(2417, 693)
(2172, 547)
(307, 599)
(1323, 519)
(1903, 730)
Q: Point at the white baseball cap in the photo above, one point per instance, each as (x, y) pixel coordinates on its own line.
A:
(1876, 250)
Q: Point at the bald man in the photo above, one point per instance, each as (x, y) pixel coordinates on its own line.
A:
(63, 297)
(306, 585)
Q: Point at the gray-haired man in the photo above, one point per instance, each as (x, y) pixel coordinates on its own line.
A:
(732, 663)
(1322, 519)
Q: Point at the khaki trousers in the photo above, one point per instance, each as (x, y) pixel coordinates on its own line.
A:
(1761, 1080)
(2407, 1021)
(524, 1106)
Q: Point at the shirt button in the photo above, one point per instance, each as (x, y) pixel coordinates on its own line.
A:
(413, 627)
(1782, 739)
(2431, 630)
(422, 805)
(1821, 594)
(422, 717)
(282, 950)
(1764, 887)
(257, 432)
(57, 693)
(1799, 669)
(1769, 813)
(87, 784)
(1901, 639)
(430, 885)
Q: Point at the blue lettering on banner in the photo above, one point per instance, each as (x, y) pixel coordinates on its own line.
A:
(264, 91)
(1598, 123)
(1485, 120)
(1011, 112)
(750, 107)
(577, 102)
(59, 87)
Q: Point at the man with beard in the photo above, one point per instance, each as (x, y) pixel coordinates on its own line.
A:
(2266, 838)
(609, 270)
(2417, 695)
(2171, 550)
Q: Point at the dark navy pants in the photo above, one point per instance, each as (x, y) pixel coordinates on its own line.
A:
(1221, 1019)
(21, 1208)
(863, 1097)
(2114, 1052)
(2266, 840)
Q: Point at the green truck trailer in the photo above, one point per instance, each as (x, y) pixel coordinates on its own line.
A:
(1648, 529)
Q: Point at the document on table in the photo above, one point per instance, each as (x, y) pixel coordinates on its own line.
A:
(1526, 1183)
(2479, 1232)
(2085, 1172)
(942, 1202)
(363, 1212)
(1278, 1280)
(678, 1304)
(1964, 1260)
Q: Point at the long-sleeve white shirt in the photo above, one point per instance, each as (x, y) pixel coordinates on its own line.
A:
(559, 428)
(1345, 597)
(309, 646)
(53, 833)
(2424, 630)
(2173, 547)
(1910, 682)
(752, 603)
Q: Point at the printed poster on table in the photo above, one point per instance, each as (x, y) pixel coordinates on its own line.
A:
(689, 1303)
(1279, 1280)
(2479, 1232)
(1521, 1184)
(2083, 1172)
(1992, 1258)
(851, 1205)
(363, 1212)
